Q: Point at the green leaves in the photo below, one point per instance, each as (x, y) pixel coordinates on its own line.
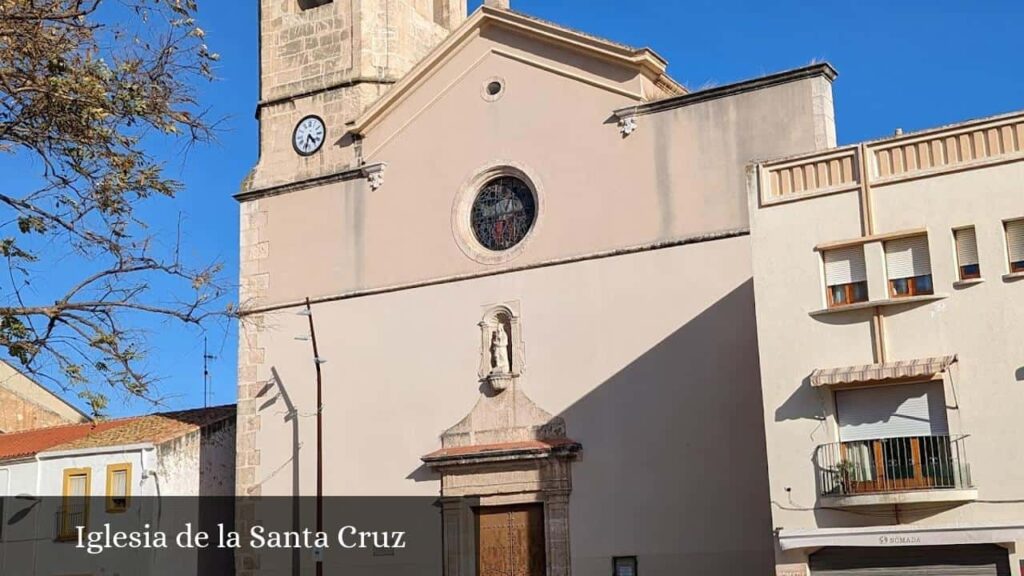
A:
(86, 98)
(30, 224)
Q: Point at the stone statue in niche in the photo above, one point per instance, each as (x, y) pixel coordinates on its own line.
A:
(501, 363)
(501, 347)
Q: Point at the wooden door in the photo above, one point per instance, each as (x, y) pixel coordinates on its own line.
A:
(510, 541)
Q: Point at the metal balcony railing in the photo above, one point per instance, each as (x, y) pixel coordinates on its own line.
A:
(68, 518)
(892, 465)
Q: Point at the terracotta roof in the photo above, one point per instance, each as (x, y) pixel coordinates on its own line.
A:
(17, 445)
(154, 429)
(505, 448)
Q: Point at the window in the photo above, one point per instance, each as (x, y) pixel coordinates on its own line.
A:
(908, 266)
(118, 487)
(967, 253)
(503, 212)
(895, 437)
(845, 276)
(624, 566)
(492, 89)
(1015, 244)
(74, 510)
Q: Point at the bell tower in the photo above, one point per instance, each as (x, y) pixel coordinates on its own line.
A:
(331, 59)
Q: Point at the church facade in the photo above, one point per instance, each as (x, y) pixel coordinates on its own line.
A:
(527, 256)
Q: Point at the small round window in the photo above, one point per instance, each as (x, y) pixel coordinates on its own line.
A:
(503, 213)
(492, 89)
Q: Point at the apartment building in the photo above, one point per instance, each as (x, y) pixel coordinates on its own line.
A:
(889, 280)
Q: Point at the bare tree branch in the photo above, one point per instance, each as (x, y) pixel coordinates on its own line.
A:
(79, 95)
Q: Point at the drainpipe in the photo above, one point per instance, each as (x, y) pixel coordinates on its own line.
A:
(867, 217)
(3, 542)
(35, 522)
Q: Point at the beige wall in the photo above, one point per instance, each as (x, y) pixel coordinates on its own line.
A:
(980, 323)
(676, 176)
(653, 369)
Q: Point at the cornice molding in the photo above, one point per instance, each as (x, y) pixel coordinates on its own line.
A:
(644, 60)
(307, 93)
(373, 172)
(681, 241)
(813, 71)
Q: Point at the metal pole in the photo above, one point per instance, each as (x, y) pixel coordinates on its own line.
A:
(319, 437)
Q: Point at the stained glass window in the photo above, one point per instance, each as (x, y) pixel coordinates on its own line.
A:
(503, 212)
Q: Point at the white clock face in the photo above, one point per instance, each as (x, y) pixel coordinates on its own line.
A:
(309, 135)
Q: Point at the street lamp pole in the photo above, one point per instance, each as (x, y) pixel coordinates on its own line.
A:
(319, 436)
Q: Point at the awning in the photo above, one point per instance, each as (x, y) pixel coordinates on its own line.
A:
(899, 370)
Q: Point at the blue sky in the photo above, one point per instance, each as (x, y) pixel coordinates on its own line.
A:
(909, 64)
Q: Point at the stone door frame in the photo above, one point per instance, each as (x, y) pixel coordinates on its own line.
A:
(473, 483)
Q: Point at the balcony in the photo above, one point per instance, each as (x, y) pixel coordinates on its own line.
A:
(68, 518)
(888, 471)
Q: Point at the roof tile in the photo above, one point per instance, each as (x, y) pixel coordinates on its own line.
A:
(154, 428)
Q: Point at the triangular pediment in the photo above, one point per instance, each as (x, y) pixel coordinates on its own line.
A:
(644, 64)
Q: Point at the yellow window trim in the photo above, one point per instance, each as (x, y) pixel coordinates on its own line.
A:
(125, 467)
(66, 533)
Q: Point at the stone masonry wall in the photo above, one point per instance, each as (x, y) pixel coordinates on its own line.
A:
(335, 60)
(18, 414)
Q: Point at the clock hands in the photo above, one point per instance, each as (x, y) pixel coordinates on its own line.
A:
(309, 135)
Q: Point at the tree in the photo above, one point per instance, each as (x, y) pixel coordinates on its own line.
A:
(87, 87)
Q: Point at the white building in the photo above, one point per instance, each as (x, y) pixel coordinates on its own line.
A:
(57, 478)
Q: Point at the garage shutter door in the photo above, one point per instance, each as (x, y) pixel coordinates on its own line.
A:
(891, 412)
(966, 560)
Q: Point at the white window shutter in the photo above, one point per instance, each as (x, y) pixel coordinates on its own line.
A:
(966, 246)
(845, 266)
(1015, 240)
(894, 411)
(907, 257)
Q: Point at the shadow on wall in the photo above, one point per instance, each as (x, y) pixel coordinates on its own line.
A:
(673, 453)
(291, 415)
(805, 403)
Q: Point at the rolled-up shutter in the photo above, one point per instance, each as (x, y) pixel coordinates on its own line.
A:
(1015, 240)
(966, 246)
(888, 560)
(895, 411)
(907, 257)
(845, 266)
